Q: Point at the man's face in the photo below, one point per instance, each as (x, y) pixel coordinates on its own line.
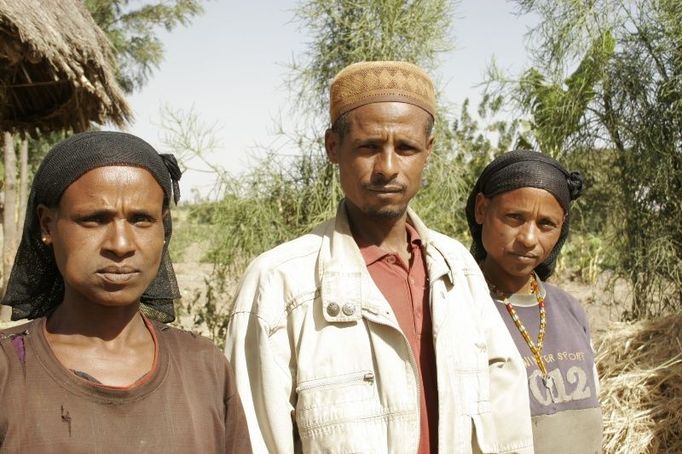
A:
(107, 235)
(519, 230)
(381, 157)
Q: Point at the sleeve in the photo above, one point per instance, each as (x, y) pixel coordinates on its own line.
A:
(4, 381)
(510, 406)
(260, 357)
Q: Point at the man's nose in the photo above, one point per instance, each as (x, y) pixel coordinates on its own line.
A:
(386, 163)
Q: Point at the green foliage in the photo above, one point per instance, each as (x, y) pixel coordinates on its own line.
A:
(348, 31)
(211, 314)
(133, 32)
(275, 202)
(557, 109)
(583, 257)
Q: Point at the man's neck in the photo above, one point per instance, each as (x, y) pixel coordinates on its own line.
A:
(390, 233)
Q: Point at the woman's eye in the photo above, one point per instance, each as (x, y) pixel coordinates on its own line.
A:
(92, 221)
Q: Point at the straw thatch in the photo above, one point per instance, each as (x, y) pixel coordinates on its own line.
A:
(640, 368)
(55, 68)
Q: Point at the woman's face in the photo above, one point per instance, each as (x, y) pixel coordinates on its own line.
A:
(107, 234)
(519, 229)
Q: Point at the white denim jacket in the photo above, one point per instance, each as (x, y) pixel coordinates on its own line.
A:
(323, 367)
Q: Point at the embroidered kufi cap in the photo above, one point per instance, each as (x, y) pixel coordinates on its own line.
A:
(380, 81)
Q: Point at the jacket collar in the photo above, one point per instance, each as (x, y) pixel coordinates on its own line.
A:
(438, 263)
(346, 287)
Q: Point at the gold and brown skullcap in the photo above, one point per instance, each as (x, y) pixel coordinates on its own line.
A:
(380, 81)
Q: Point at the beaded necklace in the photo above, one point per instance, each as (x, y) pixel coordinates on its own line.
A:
(536, 349)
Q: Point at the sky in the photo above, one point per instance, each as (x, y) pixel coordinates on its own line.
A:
(229, 67)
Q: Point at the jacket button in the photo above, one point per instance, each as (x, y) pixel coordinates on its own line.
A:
(348, 309)
(333, 309)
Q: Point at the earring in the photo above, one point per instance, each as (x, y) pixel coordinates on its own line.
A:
(45, 240)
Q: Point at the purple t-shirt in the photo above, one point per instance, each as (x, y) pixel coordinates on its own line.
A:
(566, 410)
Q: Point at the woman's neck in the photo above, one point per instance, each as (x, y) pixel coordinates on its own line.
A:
(97, 322)
(504, 282)
(111, 344)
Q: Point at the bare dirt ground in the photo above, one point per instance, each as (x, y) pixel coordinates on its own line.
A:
(601, 304)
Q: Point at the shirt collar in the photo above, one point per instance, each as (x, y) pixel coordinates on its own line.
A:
(372, 253)
(521, 300)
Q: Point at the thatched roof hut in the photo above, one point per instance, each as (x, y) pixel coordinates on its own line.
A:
(55, 69)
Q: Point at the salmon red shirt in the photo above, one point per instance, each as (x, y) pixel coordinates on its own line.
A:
(405, 286)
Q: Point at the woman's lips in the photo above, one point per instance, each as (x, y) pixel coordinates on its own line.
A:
(118, 278)
(118, 275)
(524, 257)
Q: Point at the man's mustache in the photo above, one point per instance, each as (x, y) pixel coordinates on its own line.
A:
(385, 186)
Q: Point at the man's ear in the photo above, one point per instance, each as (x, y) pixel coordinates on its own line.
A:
(46, 217)
(429, 147)
(481, 207)
(332, 141)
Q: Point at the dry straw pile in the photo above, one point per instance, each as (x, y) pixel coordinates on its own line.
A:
(640, 369)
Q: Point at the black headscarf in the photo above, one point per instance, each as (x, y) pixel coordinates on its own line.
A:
(521, 169)
(35, 286)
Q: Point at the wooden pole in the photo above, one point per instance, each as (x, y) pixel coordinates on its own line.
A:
(23, 189)
(9, 227)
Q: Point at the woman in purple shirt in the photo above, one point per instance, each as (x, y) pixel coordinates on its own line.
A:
(518, 214)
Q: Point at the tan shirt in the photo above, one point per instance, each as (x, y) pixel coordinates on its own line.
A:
(187, 403)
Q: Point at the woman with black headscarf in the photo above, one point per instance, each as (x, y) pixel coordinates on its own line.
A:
(96, 370)
(518, 214)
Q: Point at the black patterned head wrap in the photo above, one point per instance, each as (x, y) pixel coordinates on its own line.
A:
(35, 286)
(521, 169)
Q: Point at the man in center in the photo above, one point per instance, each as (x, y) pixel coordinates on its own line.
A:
(372, 333)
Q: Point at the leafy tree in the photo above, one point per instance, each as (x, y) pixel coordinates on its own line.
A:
(625, 117)
(348, 31)
(558, 109)
(133, 32)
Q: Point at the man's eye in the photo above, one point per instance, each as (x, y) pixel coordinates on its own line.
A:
(141, 219)
(406, 148)
(548, 225)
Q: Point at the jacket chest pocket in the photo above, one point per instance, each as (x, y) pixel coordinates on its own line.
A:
(340, 414)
